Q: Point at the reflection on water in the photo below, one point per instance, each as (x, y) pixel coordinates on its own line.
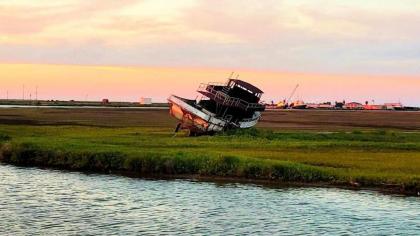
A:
(35, 201)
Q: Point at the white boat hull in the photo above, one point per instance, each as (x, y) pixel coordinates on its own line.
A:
(201, 121)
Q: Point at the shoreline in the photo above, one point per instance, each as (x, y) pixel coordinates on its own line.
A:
(86, 107)
(395, 190)
(165, 107)
(391, 189)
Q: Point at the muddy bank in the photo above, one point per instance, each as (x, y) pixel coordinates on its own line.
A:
(223, 169)
(296, 120)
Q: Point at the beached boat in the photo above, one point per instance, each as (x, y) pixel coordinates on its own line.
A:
(298, 104)
(231, 105)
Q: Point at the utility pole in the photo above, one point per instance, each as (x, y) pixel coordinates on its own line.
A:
(36, 93)
(23, 92)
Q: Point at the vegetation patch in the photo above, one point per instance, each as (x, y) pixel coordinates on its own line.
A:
(4, 137)
(383, 158)
(27, 154)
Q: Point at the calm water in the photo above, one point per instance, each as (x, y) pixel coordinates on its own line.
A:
(34, 201)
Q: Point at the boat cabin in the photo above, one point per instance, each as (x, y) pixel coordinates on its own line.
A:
(244, 90)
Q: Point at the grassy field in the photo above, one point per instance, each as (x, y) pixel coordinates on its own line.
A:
(385, 154)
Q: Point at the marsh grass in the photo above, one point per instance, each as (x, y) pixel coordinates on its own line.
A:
(370, 158)
(178, 163)
(4, 137)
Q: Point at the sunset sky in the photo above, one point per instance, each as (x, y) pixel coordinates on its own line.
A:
(125, 49)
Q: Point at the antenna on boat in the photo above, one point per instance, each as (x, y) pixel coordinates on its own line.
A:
(231, 74)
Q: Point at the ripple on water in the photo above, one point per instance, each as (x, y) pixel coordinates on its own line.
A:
(35, 201)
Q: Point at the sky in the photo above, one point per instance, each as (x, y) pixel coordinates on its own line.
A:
(127, 49)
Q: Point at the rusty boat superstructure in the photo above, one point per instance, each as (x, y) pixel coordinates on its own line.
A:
(222, 106)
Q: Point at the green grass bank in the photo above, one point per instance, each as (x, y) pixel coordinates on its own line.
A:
(382, 159)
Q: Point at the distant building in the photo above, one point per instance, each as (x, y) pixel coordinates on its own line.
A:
(353, 106)
(105, 101)
(145, 101)
(325, 105)
(393, 106)
(373, 107)
(312, 105)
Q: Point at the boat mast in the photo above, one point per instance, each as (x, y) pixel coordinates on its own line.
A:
(293, 93)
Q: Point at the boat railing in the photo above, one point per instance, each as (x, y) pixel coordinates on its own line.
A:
(215, 84)
(223, 98)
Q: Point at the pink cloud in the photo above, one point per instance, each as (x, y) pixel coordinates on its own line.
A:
(33, 19)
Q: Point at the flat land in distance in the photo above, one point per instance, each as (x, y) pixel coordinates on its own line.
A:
(54, 103)
(378, 149)
(296, 120)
